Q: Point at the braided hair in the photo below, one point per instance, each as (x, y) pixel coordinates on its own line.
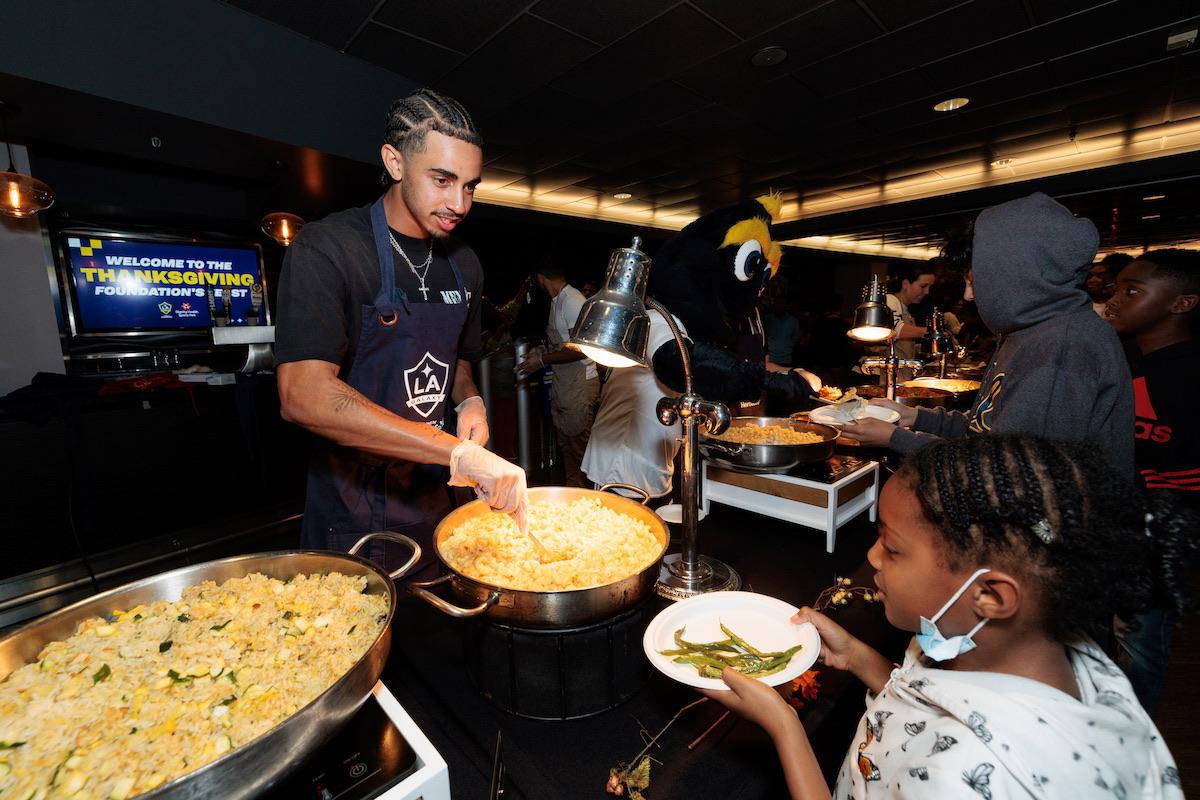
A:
(411, 118)
(1055, 513)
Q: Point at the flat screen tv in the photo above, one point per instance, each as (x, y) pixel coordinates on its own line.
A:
(147, 284)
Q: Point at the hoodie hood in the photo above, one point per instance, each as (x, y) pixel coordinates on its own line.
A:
(1029, 260)
(1043, 738)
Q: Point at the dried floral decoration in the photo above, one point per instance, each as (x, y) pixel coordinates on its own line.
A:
(842, 594)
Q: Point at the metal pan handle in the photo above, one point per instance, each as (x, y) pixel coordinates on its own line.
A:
(399, 538)
(628, 487)
(446, 607)
(723, 448)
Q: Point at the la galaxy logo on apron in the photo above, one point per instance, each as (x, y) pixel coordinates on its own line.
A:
(426, 384)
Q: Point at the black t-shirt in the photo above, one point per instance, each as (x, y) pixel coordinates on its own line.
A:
(331, 271)
(1166, 431)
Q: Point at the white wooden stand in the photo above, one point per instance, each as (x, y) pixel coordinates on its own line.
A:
(824, 506)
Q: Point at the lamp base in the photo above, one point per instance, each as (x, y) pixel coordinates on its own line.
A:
(711, 575)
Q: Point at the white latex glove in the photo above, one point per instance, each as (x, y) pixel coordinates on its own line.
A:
(497, 482)
(812, 379)
(472, 420)
(532, 363)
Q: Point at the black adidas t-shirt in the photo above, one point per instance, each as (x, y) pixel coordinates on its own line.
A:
(331, 271)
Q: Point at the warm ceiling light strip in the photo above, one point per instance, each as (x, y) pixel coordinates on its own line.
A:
(865, 246)
(1102, 150)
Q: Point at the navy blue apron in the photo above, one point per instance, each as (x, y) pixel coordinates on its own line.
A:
(405, 362)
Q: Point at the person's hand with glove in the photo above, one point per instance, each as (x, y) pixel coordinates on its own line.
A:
(472, 420)
(532, 363)
(792, 386)
(497, 482)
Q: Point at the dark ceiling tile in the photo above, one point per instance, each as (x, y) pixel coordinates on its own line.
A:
(882, 94)
(331, 23)
(997, 58)
(1110, 23)
(503, 70)
(829, 29)
(894, 14)
(602, 22)
(546, 113)
(651, 106)
(749, 19)
(1133, 52)
(849, 70)
(461, 25)
(655, 51)
(412, 58)
(960, 28)
(1046, 10)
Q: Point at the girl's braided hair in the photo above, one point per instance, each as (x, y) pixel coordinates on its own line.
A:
(411, 118)
(1056, 513)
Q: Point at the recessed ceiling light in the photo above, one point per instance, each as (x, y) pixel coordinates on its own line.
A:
(1155, 197)
(1004, 162)
(1151, 216)
(622, 195)
(952, 104)
(769, 56)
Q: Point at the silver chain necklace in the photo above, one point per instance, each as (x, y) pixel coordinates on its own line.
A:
(420, 276)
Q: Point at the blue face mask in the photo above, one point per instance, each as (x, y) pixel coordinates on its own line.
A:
(938, 647)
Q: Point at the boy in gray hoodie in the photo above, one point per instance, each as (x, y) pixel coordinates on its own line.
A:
(1058, 370)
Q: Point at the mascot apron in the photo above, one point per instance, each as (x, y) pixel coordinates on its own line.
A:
(405, 362)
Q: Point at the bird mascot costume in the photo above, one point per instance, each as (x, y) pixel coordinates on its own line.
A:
(710, 276)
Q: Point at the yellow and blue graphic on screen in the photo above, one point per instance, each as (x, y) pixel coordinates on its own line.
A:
(981, 417)
(85, 249)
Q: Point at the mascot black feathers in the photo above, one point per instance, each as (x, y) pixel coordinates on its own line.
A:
(710, 276)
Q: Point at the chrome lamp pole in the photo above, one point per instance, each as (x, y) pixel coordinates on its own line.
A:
(613, 329)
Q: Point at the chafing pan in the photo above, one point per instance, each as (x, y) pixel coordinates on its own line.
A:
(908, 395)
(559, 609)
(769, 457)
(251, 768)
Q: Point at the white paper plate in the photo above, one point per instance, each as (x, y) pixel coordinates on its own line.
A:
(825, 415)
(762, 621)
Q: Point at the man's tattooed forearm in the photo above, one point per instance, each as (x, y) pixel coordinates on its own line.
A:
(345, 397)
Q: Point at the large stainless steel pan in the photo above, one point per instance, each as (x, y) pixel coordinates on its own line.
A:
(559, 609)
(251, 768)
(769, 457)
(962, 390)
(908, 395)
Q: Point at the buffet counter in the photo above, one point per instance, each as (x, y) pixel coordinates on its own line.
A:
(429, 671)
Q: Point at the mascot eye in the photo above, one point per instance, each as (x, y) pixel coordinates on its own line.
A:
(749, 262)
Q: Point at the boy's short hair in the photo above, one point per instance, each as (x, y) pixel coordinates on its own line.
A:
(1181, 267)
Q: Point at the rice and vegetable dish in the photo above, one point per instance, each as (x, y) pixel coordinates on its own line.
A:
(601, 545)
(767, 434)
(129, 703)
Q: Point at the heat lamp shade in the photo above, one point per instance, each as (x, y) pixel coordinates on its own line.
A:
(613, 330)
(22, 195)
(873, 322)
(282, 226)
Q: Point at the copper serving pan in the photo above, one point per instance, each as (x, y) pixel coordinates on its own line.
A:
(765, 458)
(908, 395)
(253, 767)
(558, 609)
(961, 389)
